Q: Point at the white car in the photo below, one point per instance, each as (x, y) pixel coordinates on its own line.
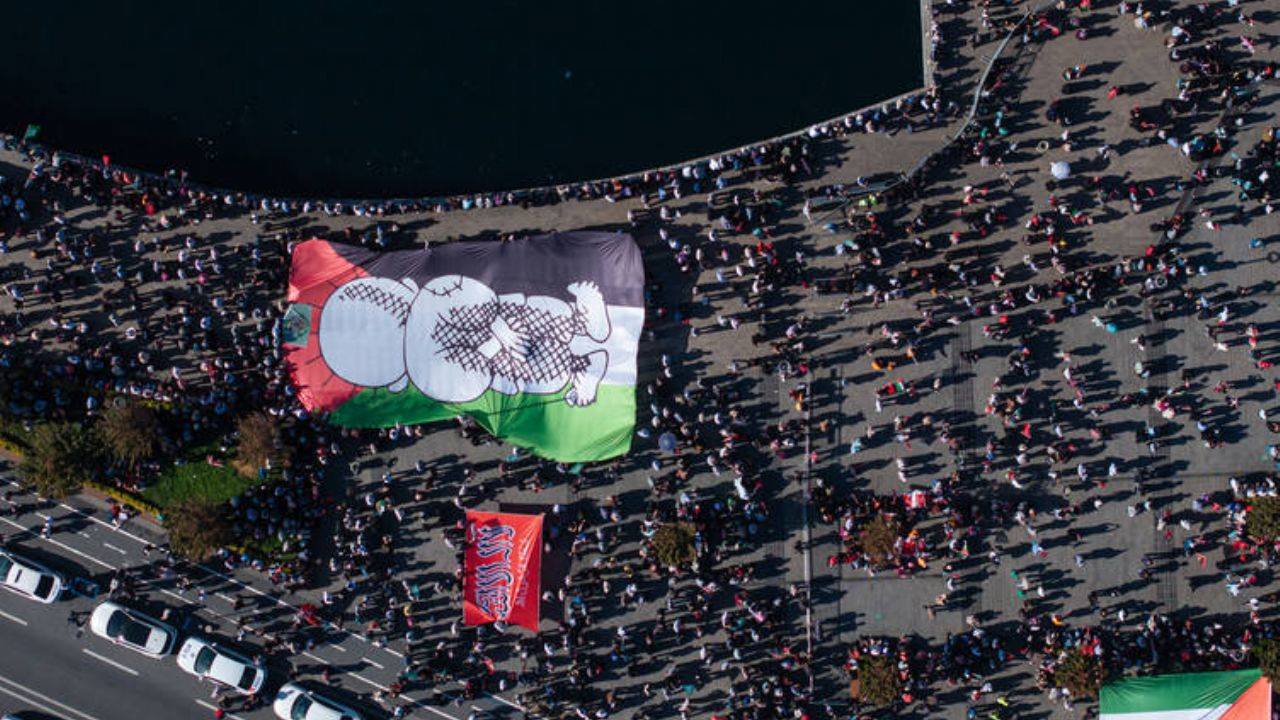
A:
(133, 630)
(29, 578)
(208, 660)
(295, 702)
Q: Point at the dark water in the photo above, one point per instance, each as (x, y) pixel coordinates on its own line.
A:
(398, 98)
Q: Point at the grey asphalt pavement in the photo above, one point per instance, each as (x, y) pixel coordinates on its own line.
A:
(84, 544)
(52, 664)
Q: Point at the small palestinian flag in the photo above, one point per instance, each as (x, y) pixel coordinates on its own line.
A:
(535, 339)
(1231, 695)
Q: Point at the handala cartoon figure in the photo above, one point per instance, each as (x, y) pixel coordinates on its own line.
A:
(454, 338)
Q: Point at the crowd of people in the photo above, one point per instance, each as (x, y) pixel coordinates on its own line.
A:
(144, 305)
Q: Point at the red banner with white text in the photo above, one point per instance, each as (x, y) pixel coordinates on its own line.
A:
(501, 569)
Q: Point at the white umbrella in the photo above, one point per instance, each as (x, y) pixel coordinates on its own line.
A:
(1060, 170)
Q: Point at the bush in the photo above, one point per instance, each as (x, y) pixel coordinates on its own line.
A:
(260, 444)
(14, 436)
(61, 458)
(1079, 674)
(125, 497)
(1263, 520)
(197, 528)
(878, 680)
(673, 544)
(130, 432)
(196, 479)
(12, 447)
(879, 541)
(1267, 653)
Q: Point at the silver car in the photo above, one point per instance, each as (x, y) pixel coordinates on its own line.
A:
(295, 702)
(208, 660)
(29, 578)
(132, 629)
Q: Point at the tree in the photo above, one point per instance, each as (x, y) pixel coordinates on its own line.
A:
(260, 443)
(1267, 652)
(61, 457)
(878, 680)
(197, 528)
(879, 539)
(1263, 519)
(673, 544)
(1079, 674)
(131, 433)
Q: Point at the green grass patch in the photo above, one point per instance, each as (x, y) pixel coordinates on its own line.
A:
(196, 479)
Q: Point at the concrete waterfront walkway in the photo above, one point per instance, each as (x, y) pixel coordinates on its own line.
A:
(1113, 546)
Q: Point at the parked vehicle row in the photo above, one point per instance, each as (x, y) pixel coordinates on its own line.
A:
(143, 634)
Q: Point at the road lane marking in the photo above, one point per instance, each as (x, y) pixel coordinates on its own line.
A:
(506, 702)
(250, 588)
(415, 703)
(81, 513)
(428, 708)
(64, 546)
(26, 700)
(358, 676)
(109, 661)
(193, 603)
(317, 658)
(109, 546)
(14, 618)
(232, 581)
(377, 665)
(84, 555)
(211, 706)
(226, 597)
(235, 582)
(244, 586)
(41, 696)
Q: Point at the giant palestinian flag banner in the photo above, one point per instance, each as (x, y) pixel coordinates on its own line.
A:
(1231, 695)
(536, 339)
(502, 569)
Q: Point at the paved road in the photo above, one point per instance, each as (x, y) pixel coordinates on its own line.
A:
(69, 673)
(84, 545)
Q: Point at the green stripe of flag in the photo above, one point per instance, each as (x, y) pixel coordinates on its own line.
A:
(1175, 692)
(544, 423)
